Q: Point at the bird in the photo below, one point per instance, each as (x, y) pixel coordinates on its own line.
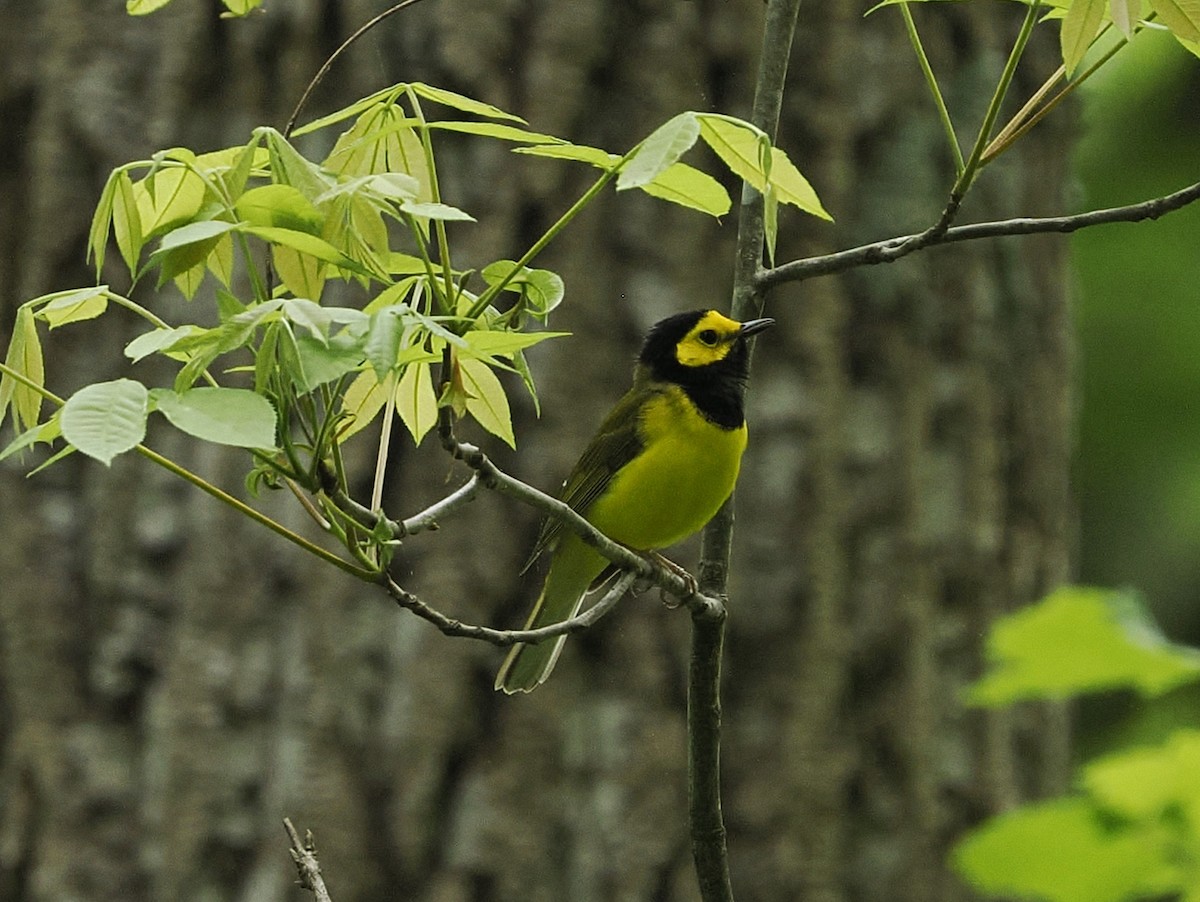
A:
(659, 468)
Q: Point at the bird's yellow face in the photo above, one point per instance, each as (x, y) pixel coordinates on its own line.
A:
(709, 341)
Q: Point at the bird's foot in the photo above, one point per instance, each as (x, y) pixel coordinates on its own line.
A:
(691, 586)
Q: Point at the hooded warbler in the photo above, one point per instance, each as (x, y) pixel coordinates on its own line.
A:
(661, 465)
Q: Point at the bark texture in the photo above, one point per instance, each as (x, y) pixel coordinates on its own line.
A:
(173, 681)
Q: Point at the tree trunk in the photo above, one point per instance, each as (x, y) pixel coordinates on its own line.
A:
(174, 681)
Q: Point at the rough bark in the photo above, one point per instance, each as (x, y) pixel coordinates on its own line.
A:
(173, 682)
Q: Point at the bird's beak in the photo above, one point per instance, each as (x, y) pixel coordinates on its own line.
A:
(754, 326)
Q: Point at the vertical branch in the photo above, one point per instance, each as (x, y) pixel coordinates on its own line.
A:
(709, 851)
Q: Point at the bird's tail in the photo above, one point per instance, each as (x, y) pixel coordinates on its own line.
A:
(572, 569)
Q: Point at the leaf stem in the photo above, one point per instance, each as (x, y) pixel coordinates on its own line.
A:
(931, 80)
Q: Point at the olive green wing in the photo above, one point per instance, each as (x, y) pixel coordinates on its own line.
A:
(617, 442)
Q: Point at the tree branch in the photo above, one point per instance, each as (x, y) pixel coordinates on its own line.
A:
(893, 249)
(308, 870)
(504, 638)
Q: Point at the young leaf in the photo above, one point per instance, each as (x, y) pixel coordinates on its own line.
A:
(737, 143)
(241, 7)
(187, 247)
(416, 401)
(25, 357)
(496, 130)
(319, 363)
(75, 306)
(102, 222)
(226, 416)
(485, 399)
(363, 400)
(1182, 17)
(127, 221)
(431, 210)
(144, 7)
(1080, 640)
(169, 197)
(689, 187)
(291, 168)
(662, 149)
(544, 290)
(486, 344)
(1079, 28)
(461, 102)
(106, 419)
(1125, 15)
(1064, 851)
(279, 205)
(47, 432)
(793, 188)
(302, 275)
(580, 153)
(381, 98)
(305, 244)
(159, 340)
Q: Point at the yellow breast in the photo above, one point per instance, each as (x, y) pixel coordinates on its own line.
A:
(686, 471)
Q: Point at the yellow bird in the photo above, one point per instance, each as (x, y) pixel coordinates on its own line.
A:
(661, 465)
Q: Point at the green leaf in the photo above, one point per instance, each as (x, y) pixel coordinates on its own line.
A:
(738, 144)
(127, 221)
(75, 306)
(25, 357)
(1182, 17)
(1151, 781)
(47, 432)
(689, 187)
(305, 243)
(292, 168)
(496, 130)
(302, 275)
(1063, 851)
(144, 7)
(486, 401)
(320, 362)
(416, 401)
(363, 400)
(543, 289)
(102, 222)
(187, 248)
(486, 344)
(579, 153)
(381, 98)
(241, 7)
(1080, 640)
(282, 206)
(461, 102)
(793, 188)
(1125, 15)
(1079, 28)
(159, 340)
(226, 416)
(168, 198)
(432, 210)
(106, 419)
(661, 150)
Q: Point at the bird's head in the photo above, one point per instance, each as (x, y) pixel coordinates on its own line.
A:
(699, 345)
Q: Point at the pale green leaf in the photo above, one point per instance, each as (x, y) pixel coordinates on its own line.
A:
(363, 400)
(793, 188)
(302, 275)
(1064, 851)
(580, 153)
(689, 187)
(127, 221)
(47, 433)
(1149, 781)
(292, 168)
(321, 362)
(305, 243)
(496, 130)
(486, 344)
(1080, 640)
(226, 416)
(1079, 28)
(486, 401)
(25, 357)
(279, 205)
(738, 144)
(416, 401)
(241, 7)
(106, 419)
(1125, 15)
(75, 306)
(661, 149)
(158, 341)
(220, 260)
(770, 221)
(102, 222)
(433, 210)
(543, 289)
(169, 197)
(381, 98)
(144, 7)
(461, 102)
(1182, 17)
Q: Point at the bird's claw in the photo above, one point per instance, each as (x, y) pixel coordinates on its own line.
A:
(691, 587)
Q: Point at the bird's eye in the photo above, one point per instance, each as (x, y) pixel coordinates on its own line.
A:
(708, 337)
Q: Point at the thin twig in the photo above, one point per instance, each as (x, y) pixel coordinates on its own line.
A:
(504, 638)
(308, 869)
(892, 249)
(328, 64)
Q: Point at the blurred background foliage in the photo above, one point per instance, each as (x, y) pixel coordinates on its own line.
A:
(1138, 314)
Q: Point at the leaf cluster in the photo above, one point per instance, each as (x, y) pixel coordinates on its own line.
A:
(1130, 828)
